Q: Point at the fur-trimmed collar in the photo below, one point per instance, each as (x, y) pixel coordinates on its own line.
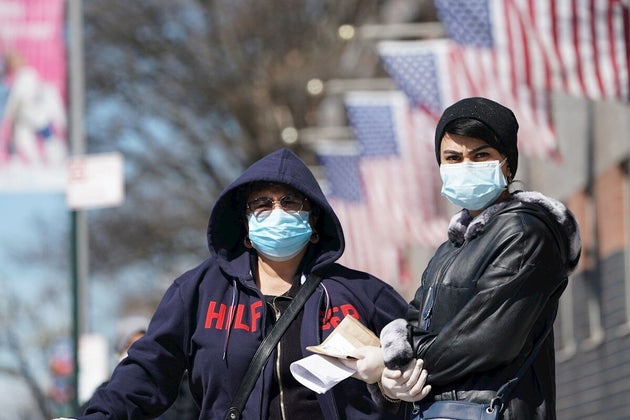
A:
(463, 227)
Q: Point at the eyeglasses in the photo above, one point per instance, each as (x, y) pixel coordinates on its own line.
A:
(289, 202)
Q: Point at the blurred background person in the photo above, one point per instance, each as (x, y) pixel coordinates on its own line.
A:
(129, 330)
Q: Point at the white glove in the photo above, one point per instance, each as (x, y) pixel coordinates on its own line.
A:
(397, 351)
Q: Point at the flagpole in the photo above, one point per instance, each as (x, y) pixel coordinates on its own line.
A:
(79, 232)
(424, 30)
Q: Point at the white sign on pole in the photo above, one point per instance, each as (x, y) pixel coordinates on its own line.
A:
(93, 364)
(95, 181)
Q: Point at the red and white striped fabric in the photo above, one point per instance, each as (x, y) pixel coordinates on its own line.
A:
(580, 47)
(366, 249)
(397, 166)
(517, 52)
(436, 73)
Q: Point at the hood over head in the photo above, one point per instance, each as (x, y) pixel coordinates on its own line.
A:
(226, 227)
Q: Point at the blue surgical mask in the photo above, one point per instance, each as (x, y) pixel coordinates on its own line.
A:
(473, 185)
(279, 235)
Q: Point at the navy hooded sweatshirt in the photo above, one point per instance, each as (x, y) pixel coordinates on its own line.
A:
(213, 317)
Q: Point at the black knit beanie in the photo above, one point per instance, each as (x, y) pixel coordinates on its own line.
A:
(495, 116)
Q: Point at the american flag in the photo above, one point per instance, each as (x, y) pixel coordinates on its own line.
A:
(365, 249)
(397, 166)
(384, 185)
(436, 73)
(373, 122)
(578, 46)
(517, 52)
(415, 67)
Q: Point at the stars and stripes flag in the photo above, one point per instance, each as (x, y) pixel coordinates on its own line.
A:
(397, 167)
(384, 184)
(518, 52)
(364, 249)
(591, 43)
(373, 123)
(436, 73)
(580, 47)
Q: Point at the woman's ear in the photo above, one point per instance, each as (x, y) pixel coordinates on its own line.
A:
(507, 171)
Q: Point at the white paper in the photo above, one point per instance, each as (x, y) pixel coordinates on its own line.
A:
(320, 373)
(337, 345)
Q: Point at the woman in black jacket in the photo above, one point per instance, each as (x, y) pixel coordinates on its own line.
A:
(492, 289)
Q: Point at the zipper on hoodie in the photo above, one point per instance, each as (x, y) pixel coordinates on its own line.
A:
(277, 314)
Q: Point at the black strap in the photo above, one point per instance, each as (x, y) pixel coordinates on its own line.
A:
(268, 344)
(503, 394)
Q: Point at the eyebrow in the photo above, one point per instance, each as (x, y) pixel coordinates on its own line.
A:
(475, 150)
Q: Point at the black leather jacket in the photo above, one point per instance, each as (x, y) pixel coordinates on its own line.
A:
(487, 295)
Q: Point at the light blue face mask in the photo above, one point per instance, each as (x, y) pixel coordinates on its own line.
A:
(279, 235)
(473, 185)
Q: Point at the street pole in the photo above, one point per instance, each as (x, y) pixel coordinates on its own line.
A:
(79, 232)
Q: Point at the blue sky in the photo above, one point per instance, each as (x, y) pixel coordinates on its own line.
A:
(24, 220)
(21, 216)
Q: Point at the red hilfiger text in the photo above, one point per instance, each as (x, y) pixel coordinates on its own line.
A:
(219, 315)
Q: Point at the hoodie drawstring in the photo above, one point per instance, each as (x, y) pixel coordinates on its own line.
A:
(230, 316)
(327, 314)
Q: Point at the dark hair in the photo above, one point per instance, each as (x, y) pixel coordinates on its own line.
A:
(473, 128)
(494, 116)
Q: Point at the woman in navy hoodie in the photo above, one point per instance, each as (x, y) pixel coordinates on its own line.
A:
(268, 232)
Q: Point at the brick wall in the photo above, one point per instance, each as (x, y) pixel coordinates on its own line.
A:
(592, 378)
